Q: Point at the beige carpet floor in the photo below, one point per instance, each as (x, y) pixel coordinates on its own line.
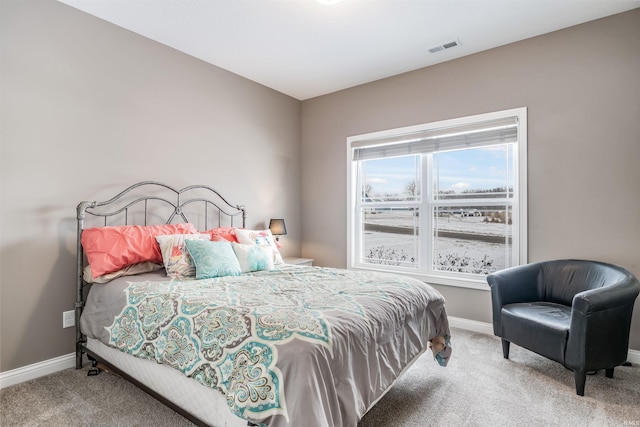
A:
(478, 388)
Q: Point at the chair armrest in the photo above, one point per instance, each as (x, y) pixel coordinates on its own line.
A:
(515, 284)
(601, 318)
(607, 297)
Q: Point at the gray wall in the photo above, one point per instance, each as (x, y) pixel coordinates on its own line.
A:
(89, 108)
(582, 89)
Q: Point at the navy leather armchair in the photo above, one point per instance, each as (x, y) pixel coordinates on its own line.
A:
(575, 312)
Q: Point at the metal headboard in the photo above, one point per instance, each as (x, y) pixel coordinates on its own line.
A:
(150, 203)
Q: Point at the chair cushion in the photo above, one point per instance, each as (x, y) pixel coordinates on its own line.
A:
(542, 327)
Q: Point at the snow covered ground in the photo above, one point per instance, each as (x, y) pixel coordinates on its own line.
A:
(468, 224)
(471, 250)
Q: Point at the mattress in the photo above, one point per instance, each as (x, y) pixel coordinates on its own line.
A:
(204, 403)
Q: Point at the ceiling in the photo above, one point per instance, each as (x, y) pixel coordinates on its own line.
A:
(306, 49)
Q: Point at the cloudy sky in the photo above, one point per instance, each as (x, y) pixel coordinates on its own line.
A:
(460, 170)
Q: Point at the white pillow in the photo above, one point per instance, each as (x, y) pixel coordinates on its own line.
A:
(253, 257)
(260, 238)
(175, 256)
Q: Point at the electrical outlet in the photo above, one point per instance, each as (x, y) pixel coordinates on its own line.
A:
(68, 319)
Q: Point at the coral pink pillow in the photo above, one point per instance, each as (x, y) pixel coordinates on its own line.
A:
(222, 233)
(110, 249)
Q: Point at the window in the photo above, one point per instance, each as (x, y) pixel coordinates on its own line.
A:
(445, 201)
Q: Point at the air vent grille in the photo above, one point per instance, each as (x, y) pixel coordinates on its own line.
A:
(444, 46)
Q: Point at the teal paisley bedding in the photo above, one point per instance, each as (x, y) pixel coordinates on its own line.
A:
(287, 347)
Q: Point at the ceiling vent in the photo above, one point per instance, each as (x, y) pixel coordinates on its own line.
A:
(445, 46)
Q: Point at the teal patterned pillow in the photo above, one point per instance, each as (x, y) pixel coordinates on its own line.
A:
(213, 259)
(177, 262)
(253, 257)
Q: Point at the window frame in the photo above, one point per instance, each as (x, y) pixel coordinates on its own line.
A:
(425, 272)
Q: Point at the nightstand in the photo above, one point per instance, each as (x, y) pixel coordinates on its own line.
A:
(299, 261)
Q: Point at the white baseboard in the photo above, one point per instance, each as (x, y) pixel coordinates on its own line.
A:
(30, 372)
(487, 328)
(37, 370)
(471, 325)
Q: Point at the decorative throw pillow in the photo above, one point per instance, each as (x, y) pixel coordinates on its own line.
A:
(253, 257)
(175, 257)
(213, 259)
(222, 233)
(260, 238)
(112, 248)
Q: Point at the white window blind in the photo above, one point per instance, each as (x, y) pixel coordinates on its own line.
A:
(479, 134)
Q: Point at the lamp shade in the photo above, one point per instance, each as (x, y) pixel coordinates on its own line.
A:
(277, 227)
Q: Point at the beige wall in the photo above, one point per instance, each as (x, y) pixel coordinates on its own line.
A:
(582, 89)
(89, 108)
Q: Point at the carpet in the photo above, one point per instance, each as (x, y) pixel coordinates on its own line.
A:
(478, 388)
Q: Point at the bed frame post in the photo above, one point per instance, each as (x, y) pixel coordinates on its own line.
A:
(79, 305)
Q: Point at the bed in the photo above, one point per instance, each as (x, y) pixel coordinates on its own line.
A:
(175, 294)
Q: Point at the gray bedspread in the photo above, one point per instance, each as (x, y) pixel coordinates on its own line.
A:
(289, 347)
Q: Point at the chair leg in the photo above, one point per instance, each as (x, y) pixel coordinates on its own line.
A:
(581, 378)
(505, 348)
(609, 372)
